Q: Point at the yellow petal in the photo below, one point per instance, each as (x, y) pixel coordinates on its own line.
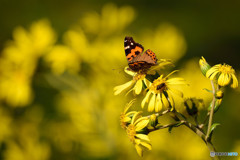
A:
(128, 105)
(147, 145)
(235, 81)
(175, 91)
(125, 86)
(128, 71)
(142, 124)
(139, 150)
(138, 87)
(158, 106)
(223, 79)
(147, 82)
(164, 101)
(126, 119)
(145, 99)
(135, 116)
(211, 74)
(143, 137)
(176, 81)
(151, 103)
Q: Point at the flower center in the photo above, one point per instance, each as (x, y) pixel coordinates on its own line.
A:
(226, 69)
(131, 132)
(159, 85)
(139, 76)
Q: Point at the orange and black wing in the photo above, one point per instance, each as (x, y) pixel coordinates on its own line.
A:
(132, 49)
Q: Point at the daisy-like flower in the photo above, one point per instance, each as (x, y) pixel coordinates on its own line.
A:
(224, 74)
(138, 81)
(136, 134)
(125, 117)
(161, 92)
(139, 78)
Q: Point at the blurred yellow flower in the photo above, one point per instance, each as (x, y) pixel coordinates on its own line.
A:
(134, 131)
(17, 89)
(112, 19)
(224, 74)
(5, 129)
(162, 91)
(19, 61)
(125, 116)
(61, 59)
(36, 42)
(166, 40)
(138, 79)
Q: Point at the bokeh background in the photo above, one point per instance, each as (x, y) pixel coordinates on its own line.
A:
(59, 62)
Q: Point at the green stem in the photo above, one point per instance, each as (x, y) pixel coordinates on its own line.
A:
(198, 131)
(211, 112)
(194, 128)
(165, 126)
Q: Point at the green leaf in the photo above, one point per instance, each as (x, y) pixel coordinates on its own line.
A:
(213, 127)
(210, 91)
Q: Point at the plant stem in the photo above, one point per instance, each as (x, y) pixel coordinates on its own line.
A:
(198, 131)
(211, 112)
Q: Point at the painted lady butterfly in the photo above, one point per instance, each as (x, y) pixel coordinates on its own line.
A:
(136, 60)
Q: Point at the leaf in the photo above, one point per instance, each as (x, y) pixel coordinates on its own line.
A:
(208, 90)
(213, 127)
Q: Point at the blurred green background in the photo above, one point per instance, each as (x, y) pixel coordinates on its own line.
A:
(59, 62)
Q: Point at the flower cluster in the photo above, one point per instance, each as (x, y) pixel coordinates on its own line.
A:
(161, 92)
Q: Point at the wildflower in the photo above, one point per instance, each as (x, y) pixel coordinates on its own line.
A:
(162, 92)
(62, 58)
(224, 74)
(125, 118)
(139, 80)
(136, 134)
(204, 66)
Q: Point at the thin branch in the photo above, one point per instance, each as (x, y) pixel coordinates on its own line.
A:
(211, 112)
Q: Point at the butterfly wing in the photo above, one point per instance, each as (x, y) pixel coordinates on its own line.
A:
(143, 61)
(132, 49)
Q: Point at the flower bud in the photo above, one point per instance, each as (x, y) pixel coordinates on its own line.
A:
(153, 120)
(204, 66)
(219, 94)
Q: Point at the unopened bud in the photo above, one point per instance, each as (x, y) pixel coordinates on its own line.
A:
(153, 120)
(204, 66)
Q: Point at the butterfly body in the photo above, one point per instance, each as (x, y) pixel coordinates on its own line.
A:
(137, 60)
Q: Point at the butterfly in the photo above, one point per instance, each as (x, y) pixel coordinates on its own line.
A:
(137, 60)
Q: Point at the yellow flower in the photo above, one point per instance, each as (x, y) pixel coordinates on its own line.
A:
(135, 134)
(125, 117)
(138, 81)
(225, 75)
(162, 91)
(61, 59)
(139, 78)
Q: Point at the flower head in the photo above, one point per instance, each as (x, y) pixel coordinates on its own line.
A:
(138, 81)
(224, 74)
(162, 91)
(136, 133)
(125, 117)
(139, 78)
